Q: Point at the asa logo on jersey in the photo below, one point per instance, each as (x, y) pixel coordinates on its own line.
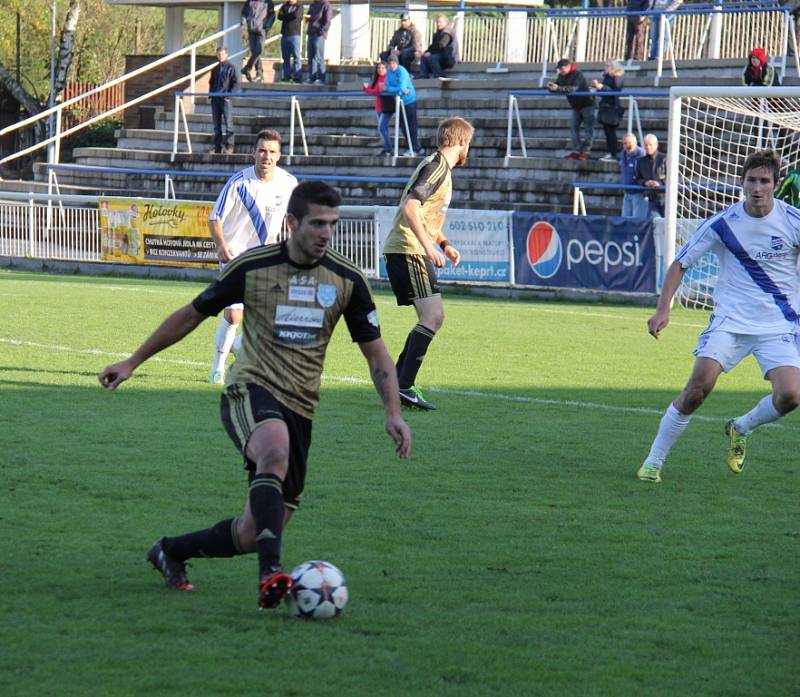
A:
(544, 249)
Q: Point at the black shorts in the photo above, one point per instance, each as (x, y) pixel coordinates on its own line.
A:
(243, 408)
(413, 277)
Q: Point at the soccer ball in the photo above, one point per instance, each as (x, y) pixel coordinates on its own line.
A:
(319, 591)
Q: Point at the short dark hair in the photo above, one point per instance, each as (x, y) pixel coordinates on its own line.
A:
(563, 63)
(307, 193)
(269, 134)
(763, 158)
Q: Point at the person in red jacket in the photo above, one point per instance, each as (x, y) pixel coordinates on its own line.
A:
(384, 104)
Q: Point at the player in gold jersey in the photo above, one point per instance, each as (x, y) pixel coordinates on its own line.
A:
(294, 292)
(411, 250)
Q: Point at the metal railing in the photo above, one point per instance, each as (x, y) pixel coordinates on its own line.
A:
(514, 116)
(53, 142)
(296, 124)
(713, 30)
(32, 226)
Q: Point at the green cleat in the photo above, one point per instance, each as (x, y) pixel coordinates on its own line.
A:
(649, 473)
(737, 447)
(412, 397)
(217, 377)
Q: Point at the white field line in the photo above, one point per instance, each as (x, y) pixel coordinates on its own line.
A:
(519, 399)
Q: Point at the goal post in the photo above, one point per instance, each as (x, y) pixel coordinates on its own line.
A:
(710, 133)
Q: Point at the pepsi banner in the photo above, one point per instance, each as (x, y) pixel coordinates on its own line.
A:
(586, 252)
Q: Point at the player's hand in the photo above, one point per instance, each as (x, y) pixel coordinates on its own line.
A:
(657, 322)
(224, 253)
(436, 257)
(400, 433)
(114, 375)
(452, 254)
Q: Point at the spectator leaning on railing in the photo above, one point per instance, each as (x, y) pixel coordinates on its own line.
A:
(758, 72)
(442, 54)
(651, 171)
(398, 82)
(610, 111)
(406, 43)
(258, 16)
(320, 16)
(633, 202)
(384, 104)
(223, 79)
(570, 79)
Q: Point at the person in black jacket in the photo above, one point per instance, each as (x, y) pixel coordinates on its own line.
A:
(223, 79)
(258, 16)
(569, 80)
(610, 111)
(406, 43)
(651, 171)
(291, 16)
(319, 22)
(442, 54)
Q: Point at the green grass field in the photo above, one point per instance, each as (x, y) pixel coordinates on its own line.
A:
(515, 553)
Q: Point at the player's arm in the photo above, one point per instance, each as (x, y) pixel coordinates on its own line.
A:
(384, 377)
(411, 208)
(173, 329)
(224, 253)
(672, 281)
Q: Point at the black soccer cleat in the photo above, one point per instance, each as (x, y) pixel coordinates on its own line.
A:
(173, 571)
(412, 397)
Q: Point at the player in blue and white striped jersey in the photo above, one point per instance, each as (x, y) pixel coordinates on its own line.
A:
(756, 304)
(249, 212)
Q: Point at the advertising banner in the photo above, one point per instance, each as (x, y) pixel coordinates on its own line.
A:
(155, 231)
(585, 252)
(481, 237)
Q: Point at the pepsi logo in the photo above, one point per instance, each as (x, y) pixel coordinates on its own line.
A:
(544, 249)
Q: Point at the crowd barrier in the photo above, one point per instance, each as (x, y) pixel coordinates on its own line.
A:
(511, 249)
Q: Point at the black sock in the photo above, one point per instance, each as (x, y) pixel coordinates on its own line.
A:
(266, 505)
(410, 360)
(219, 541)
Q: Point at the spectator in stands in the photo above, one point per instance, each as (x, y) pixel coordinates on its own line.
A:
(633, 202)
(442, 54)
(398, 81)
(635, 29)
(291, 15)
(758, 72)
(258, 16)
(651, 171)
(223, 79)
(319, 21)
(663, 6)
(406, 43)
(789, 189)
(610, 110)
(384, 104)
(569, 80)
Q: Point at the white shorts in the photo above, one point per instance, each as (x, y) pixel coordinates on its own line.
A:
(729, 349)
(235, 306)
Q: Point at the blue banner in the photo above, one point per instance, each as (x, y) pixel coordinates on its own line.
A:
(591, 252)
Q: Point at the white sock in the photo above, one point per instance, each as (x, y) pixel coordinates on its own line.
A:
(226, 333)
(672, 425)
(761, 413)
(237, 345)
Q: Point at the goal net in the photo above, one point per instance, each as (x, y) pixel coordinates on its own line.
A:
(711, 132)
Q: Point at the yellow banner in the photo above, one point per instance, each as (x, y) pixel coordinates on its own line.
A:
(156, 231)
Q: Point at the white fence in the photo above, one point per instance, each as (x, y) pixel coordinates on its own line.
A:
(596, 35)
(36, 226)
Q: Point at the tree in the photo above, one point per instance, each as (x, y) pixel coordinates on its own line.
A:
(31, 102)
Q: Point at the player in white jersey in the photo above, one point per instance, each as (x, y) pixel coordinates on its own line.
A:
(756, 302)
(249, 212)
